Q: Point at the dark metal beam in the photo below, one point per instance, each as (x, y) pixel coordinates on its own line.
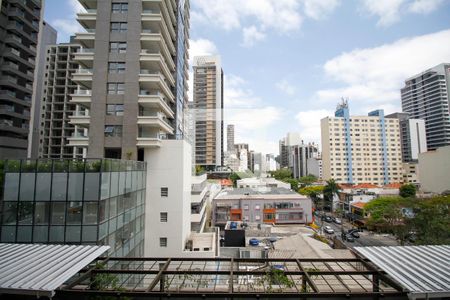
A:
(230, 289)
(308, 278)
(85, 275)
(338, 277)
(158, 276)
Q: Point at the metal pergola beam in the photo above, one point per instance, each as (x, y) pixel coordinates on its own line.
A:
(308, 278)
(158, 276)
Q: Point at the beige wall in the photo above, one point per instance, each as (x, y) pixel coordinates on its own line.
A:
(434, 170)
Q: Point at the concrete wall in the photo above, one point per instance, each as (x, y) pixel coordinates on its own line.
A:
(168, 166)
(434, 170)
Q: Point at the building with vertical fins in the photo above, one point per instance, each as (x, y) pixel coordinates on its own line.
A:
(56, 130)
(47, 37)
(426, 96)
(208, 105)
(361, 149)
(20, 22)
(230, 137)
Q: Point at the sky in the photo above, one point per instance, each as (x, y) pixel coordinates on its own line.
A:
(287, 63)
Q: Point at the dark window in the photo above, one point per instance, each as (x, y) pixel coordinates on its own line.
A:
(163, 242)
(164, 192)
(113, 130)
(116, 67)
(114, 109)
(119, 8)
(163, 217)
(118, 47)
(116, 88)
(119, 26)
(113, 153)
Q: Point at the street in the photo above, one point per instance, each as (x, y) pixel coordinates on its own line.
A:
(366, 238)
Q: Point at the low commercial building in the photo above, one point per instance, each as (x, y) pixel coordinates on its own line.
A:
(263, 205)
(434, 169)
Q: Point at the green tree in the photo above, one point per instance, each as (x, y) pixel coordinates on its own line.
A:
(431, 221)
(199, 170)
(311, 190)
(408, 190)
(282, 174)
(307, 180)
(330, 189)
(234, 177)
(293, 182)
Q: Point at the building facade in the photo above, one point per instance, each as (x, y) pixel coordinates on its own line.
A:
(426, 96)
(266, 205)
(433, 169)
(20, 22)
(361, 149)
(413, 136)
(47, 36)
(56, 130)
(134, 64)
(208, 105)
(299, 156)
(230, 137)
(92, 201)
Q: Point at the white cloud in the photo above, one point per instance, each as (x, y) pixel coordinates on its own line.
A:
(319, 9)
(251, 35)
(424, 6)
(390, 11)
(286, 87)
(375, 75)
(309, 122)
(68, 26)
(237, 94)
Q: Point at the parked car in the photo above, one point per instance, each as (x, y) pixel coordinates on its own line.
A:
(328, 230)
(349, 238)
(337, 221)
(354, 233)
(253, 242)
(328, 219)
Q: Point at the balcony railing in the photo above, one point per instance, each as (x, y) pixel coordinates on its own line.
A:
(84, 71)
(81, 113)
(83, 92)
(85, 50)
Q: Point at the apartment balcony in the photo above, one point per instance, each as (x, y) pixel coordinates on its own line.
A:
(83, 77)
(155, 100)
(162, 6)
(146, 140)
(155, 42)
(156, 61)
(78, 140)
(86, 39)
(155, 119)
(85, 56)
(80, 118)
(87, 18)
(155, 81)
(88, 4)
(82, 97)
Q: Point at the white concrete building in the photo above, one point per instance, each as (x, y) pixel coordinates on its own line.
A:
(411, 173)
(361, 149)
(254, 182)
(243, 156)
(434, 170)
(314, 167)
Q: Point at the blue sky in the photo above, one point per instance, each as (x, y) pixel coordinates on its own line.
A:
(288, 62)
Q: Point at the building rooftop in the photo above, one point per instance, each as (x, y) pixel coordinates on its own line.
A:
(359, 204)
(423, 270)
(38, 270)
(259, 193)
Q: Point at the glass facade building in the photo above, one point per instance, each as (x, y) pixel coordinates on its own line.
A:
(90, 201)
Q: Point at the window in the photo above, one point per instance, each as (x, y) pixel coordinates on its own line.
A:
(114, 109)
(163, 242)
(118, 47)
(116, 67)
(113, 130)
(119, 8)
(116, 88)
(164, 192)
(163, 217)
(119, 26)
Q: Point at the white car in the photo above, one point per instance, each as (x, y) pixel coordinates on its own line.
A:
(328, 230)
(337, 221)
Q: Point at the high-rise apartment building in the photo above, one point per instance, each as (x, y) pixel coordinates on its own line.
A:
(299, 156)
(426, 96)
(19, 26)
(291, 139)
(208, 105)
(132, 77)
(230, 137)
(413, 136)
(47, 36)
(361, 149)
(56, 130)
